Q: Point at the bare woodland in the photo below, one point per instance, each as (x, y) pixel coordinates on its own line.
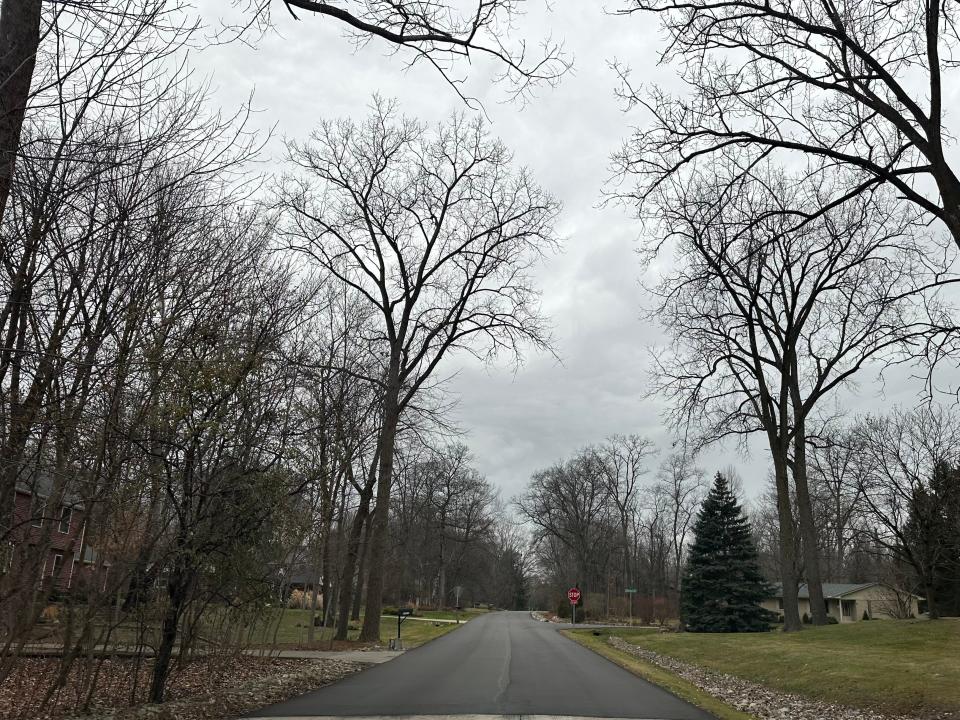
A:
(218, 387)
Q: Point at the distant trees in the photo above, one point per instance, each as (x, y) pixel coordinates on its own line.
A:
(722, 585)
(600, 522)
(907, 476)
(450, 539)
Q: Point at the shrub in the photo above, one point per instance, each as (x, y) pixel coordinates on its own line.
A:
(299, 599)
(831, 620)
(866, 615)
(805, 619)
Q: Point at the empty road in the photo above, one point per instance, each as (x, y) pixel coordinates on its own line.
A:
(501, 664)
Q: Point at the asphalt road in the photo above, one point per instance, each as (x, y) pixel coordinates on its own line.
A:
(503, 663)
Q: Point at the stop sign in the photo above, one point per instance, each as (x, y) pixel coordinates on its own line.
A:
(573, 595)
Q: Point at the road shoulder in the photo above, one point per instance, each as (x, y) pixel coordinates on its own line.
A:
(658, 676)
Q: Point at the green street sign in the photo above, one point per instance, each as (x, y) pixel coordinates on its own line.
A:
(631, 590)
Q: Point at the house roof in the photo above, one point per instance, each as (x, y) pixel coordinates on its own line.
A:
(830, 590)
(42, 484)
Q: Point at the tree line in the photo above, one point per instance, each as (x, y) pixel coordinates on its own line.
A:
(604, 522)
(884, 499)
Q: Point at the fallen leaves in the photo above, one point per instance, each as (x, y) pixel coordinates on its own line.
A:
(205, 688)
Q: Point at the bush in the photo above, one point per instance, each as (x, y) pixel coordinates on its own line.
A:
(831, 620)
(805, 619)
(563, 611)
(866, 615)
(299, 600)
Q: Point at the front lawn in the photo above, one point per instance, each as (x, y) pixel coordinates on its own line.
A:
(906, 666)
(295, 624)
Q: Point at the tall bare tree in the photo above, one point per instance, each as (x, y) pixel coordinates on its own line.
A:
(774, 305)
(438, 234)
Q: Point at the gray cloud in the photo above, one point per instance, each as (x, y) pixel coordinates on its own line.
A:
(519, 422)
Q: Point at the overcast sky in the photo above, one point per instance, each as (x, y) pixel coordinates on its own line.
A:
(517, 422)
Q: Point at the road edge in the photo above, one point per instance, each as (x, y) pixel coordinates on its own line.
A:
(655, 674)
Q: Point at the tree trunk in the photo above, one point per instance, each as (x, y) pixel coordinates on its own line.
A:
(361, 572)
(808, 528)
(177, 593)
(381, 515)
(315, 591)
(932, 611)
(19, 41)
(345, 601)
(443, 571)
(788, 565)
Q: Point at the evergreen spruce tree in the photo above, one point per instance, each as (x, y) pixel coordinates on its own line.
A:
(722, 585)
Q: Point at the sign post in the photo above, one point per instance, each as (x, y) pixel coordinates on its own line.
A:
(573, 595)
(630, 593)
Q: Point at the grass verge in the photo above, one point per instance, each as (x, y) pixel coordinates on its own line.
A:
(895, 666)
(294, 627)
(656, 675)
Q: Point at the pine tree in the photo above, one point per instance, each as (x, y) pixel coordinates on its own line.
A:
(722, 585)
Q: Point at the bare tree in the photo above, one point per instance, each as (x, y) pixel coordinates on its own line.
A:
(571, 504)
(681, 484)
(436, 232)
(850, 85)
(775, 305)
(908, 480)
(838, 493)
(623, 459)
(75, 56)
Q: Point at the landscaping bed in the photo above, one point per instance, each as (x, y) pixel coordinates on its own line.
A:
(205, 688)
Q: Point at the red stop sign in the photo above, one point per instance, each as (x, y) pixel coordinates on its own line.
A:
(573, 595)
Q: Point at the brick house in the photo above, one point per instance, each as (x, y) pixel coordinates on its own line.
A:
(40, 519)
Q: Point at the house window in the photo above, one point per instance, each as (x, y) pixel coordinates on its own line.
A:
(849, 608)
(66, 514)
(39, 508)
(780, 603)
(57, 564)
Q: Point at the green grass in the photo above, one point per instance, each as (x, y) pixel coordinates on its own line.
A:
(658, 676)
(462, 616)
(294, 628)
(905, 666)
